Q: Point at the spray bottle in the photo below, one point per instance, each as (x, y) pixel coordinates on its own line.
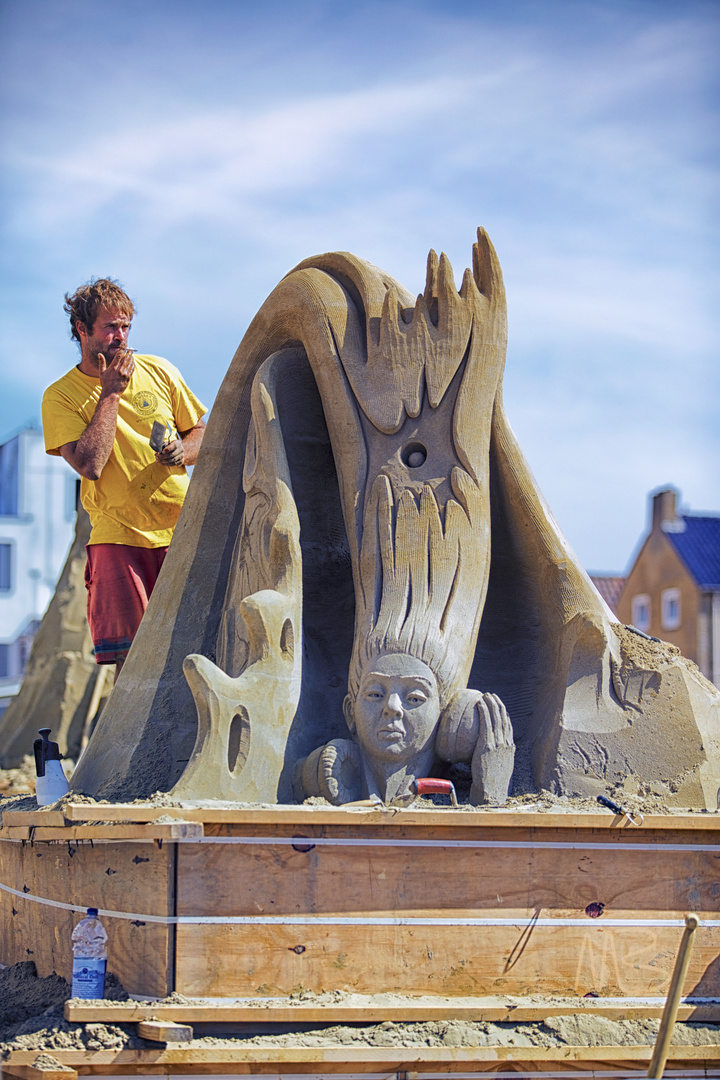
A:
(51, 782)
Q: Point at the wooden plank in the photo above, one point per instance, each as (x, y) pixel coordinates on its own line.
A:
(33, 817)
(376, 1010)
(351, 885)
(455, 961)
(164, 1031)
(337, 815)
(177, 830)
(235, 879)
(118, 877)
(33, 1072)
(390, 1058)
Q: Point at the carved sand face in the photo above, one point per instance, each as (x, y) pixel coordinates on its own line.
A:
(397, 708)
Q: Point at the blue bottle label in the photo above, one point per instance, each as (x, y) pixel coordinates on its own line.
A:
(88, 979)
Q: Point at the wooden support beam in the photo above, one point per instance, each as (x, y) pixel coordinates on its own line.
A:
(164, 1031)
(373, 1010)
(339, 815)
(176, 830)
(50, 818)
(340, 1059)
(42, 1072)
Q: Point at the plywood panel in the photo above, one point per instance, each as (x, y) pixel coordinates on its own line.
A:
(122, 877)
(354, 883)
(253, 879)
(239, 960)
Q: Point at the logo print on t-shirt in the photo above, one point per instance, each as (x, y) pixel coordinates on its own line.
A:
(145, 403)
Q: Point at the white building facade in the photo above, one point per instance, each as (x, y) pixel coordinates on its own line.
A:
(38, 496)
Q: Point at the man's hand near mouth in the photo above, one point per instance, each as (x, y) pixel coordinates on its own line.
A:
(116, 375)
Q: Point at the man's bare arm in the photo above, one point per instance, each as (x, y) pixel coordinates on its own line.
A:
(89, 455)
(183, 451)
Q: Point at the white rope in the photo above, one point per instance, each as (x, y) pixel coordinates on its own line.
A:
(582, 1074)
(627, 1073)
(323, 841)
(339, 920)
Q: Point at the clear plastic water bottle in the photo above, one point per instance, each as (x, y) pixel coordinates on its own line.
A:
(89, 957)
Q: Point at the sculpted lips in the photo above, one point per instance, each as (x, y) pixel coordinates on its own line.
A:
(392, 733)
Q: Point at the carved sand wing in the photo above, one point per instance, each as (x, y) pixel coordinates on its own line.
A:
(366, 581)
(246, 705)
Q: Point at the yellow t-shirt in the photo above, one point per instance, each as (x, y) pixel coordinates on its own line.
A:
(136, 501)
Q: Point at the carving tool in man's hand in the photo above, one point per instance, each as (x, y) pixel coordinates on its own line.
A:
(158, 436)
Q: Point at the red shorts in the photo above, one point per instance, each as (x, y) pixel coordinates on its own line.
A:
(119, 580)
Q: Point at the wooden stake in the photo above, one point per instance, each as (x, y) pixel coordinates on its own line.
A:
(93, 706)
(667, 1023)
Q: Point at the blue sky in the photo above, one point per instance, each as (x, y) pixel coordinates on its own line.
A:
(199, 150)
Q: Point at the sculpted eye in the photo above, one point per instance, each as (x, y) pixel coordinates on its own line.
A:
(373, 694)
(417, 697)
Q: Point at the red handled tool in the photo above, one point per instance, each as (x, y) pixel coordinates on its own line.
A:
(428, 785)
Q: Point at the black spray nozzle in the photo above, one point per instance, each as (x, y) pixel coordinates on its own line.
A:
(45, 750)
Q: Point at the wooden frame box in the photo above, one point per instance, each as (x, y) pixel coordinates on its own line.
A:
(264, 902)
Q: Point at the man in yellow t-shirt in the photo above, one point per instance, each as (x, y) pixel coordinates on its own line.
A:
(99, 417)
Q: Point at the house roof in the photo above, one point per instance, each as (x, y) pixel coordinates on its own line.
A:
(698, 545)
(609, 586)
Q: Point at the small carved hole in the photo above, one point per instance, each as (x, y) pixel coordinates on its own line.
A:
(413, 455)
(595, 910)
(238, 741)
(287, 640)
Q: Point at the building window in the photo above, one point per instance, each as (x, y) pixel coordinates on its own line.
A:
(5, 567)
(9, 457)
(641, 612)
(4, 661)
(671, 611)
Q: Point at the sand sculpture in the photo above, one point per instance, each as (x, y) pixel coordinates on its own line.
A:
(366, 583)
(59, 686)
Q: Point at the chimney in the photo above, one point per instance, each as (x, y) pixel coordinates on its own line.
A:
(664, 515)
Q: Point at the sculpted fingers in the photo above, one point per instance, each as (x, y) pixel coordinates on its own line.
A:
(502, 732)
(494, 758)
(508, 734)
(486, 736)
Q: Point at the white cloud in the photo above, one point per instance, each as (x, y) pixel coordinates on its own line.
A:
(587, 156)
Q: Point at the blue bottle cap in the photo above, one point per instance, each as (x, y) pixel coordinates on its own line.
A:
(92, 911)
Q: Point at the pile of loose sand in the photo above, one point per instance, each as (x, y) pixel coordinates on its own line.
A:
(31, 1018)
(31, 1015)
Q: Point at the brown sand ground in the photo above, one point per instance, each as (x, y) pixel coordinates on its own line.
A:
(31, 1018)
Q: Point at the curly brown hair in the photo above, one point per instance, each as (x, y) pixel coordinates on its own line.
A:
(86, 301)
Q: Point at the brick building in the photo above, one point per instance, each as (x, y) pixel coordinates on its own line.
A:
(672, 591)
